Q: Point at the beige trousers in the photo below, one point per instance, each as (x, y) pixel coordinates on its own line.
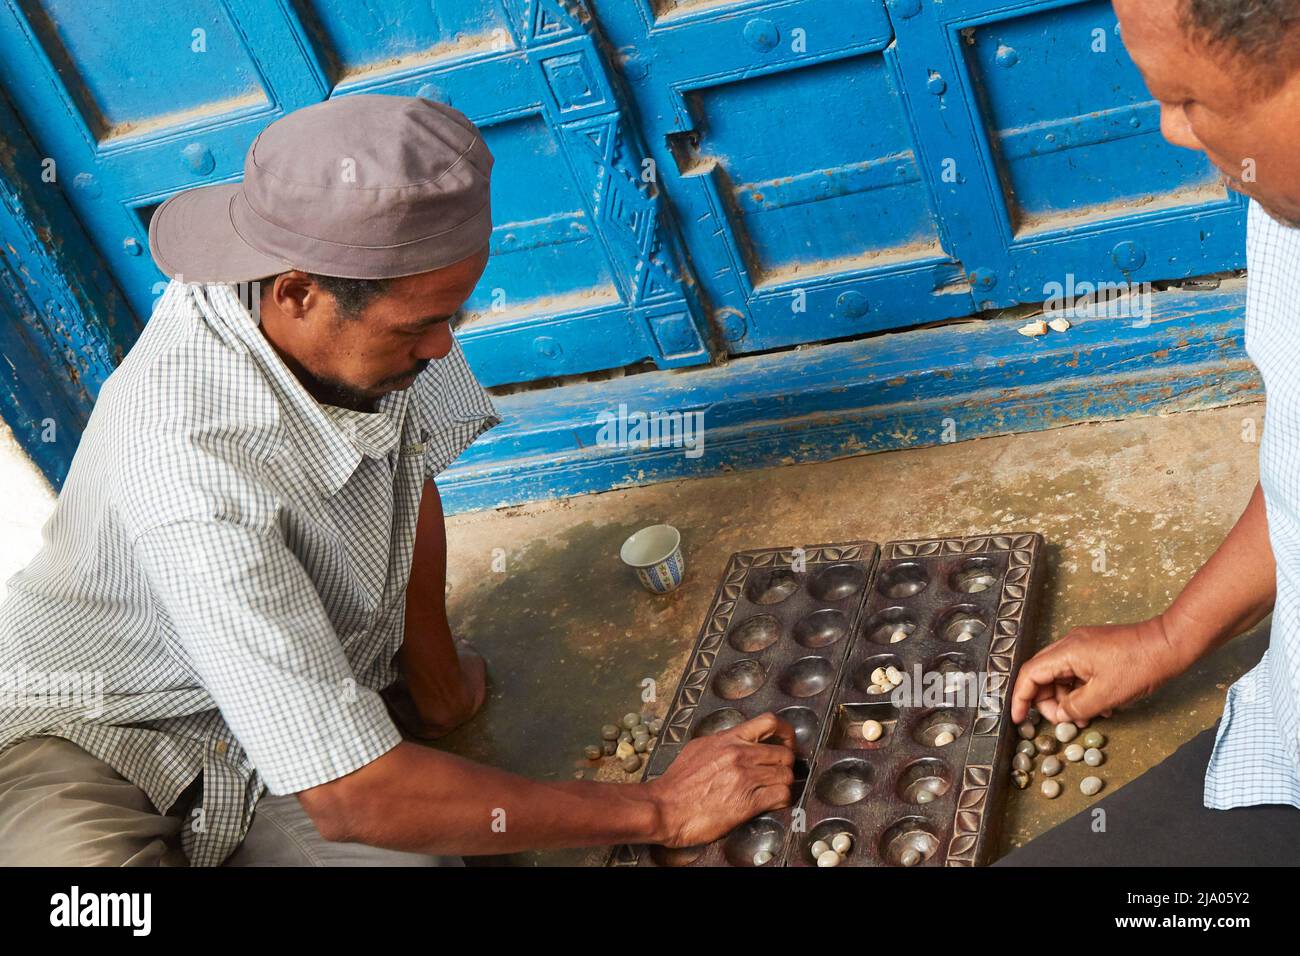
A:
(60, 806)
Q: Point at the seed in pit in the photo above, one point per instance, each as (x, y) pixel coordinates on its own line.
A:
(819, 847)
(631, 720)
(842, 843)
(631, 764)
(1093, 738)
(1020, 778)
(878, 676)
(609, 732)
(895, 677)
(924, 796)
(1051, 789)
(640, 733)
(625, 737)
(762, 857)
(872, 730)
(878, 688)
(641, 744)
(1045, 744)
(608, 748)
(911, 856)
(1074, 753)
(1090, 786)
(1066, 731)
(1093, 757)
(1027, 730)
(656, 726)
(1027, 747)
(1022, 762)
(899, 635)
(624, 750)
(944, 739)
(1033, 715)
(829, 858)
(592, 752)
(1051, 766)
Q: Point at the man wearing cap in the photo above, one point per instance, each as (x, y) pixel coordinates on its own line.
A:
(248, 555)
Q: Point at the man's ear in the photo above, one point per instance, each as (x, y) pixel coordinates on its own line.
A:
(295, 294)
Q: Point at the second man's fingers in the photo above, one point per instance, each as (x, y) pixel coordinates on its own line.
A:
(765, 727)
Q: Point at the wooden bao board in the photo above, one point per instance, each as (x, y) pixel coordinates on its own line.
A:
(800, 631)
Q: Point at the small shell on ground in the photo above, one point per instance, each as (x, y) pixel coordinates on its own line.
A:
(1093, 738)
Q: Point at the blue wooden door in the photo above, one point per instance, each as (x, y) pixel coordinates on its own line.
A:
(585, 274)
(842, 168)
(1060, 175)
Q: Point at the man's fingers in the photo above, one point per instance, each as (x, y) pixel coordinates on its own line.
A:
(1082, 704)
(768, 753)
(1039, 672)
(765, 727)
(771, 798)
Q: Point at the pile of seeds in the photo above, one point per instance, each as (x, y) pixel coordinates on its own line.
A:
(627, 740)
(885, 679)
(1086, 749)
(835, 852)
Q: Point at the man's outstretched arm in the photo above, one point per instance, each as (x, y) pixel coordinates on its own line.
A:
(421, 800)
(1095, 669)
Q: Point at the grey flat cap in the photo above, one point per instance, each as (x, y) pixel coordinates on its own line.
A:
(361, 187)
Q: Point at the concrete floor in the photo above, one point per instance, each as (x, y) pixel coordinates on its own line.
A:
(569, 635)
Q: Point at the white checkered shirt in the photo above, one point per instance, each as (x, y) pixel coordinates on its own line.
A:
(1257, 754)
(228, 563)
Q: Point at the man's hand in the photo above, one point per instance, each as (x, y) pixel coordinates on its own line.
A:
(1093, 670)
(718, 782)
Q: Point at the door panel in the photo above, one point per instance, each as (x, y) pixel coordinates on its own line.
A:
(1061, 168)
(1085, 149)
(791, 158)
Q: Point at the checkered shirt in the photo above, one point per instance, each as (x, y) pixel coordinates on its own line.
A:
(1256, 756)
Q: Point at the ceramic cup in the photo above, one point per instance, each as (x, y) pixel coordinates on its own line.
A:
(655, 554)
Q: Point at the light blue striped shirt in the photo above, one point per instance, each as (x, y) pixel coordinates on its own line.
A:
(1256, 757)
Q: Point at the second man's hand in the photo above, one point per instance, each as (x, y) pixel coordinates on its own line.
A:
(720, 781)
(1093, 670)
